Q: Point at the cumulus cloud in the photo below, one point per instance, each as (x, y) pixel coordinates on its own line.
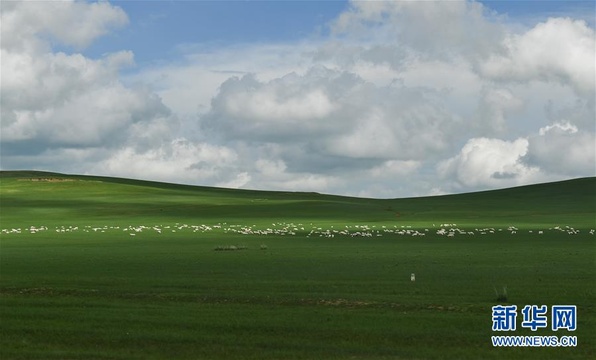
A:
(61, 99)
(282, 108)
(395, 168)
(286, 98)
(273, 174)
(96, 117)
(489, 163)
(335, 114)
(179, 161)
(560, 49)
(555, 152)
(31, 27)
(561, 148)
(437, 29)
(187, 86)
(404, 98)
(66, 103)
(496, 105)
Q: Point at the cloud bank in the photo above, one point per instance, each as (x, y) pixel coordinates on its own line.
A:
(400, 99)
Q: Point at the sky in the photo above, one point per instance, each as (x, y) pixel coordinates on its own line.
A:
(364, 98)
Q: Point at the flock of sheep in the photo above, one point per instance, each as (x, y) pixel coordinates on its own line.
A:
(291, 229)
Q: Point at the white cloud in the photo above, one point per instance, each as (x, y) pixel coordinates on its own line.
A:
(561, 149)
(281, 109)
(333, 114)
(308, 182)
(560, 49)
(489, 163)
(71, 100)
(34, 81)
(275, 103)
(561, 128)
(238, 181)
(187, 86)
(297, 182)
(270, 168)
(405, 98)
(393, 168)
(31, 26)
(438, 29)
(272, 174)
(177, 161)
(556, 152)
(496, 105)
(56, 100)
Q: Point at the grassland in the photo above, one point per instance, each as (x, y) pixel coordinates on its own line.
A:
(107, 268)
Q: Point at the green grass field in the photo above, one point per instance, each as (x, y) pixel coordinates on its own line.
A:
(107, 268)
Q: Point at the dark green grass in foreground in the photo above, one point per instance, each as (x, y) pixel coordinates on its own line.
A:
(94, 295)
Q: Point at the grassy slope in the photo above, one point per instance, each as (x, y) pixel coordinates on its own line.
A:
(96, 198)
(110, 295)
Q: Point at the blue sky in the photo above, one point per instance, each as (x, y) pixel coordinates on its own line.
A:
(158, 28)
(380, 99)
(534, 10)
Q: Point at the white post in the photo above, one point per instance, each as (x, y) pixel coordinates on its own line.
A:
(413, 277)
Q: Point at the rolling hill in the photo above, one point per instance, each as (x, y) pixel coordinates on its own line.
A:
(109, 268)
(59, 198)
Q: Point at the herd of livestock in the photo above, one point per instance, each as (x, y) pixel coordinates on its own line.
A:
(291, 229)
